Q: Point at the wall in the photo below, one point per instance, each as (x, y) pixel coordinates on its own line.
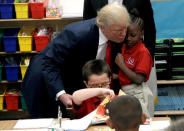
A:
(169, 18)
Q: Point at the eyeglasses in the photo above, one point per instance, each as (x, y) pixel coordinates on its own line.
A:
(101, 85)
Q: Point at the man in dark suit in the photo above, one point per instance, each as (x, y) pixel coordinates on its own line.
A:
(56, 72)
(91, 7)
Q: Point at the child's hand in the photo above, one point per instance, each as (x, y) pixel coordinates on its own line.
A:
(119, 60)
(115, 76)
(105, 92)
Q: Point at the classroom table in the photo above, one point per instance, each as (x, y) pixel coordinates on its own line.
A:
(9, 124)
(92, 128)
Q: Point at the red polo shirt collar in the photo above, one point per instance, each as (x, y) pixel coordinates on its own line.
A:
(133, 49)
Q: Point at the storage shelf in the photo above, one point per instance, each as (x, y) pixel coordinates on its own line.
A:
(43, 19)
(169, 82)
(18, 52)
(13, 115)
(6, 82)
(4, 110)
(169, 112)
(56, 23)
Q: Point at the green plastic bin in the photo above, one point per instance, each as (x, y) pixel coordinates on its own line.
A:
(24, 107)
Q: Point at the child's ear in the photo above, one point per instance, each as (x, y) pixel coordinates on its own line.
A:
(142, 33)
(109, 123)
(85, 82)
(143, 118)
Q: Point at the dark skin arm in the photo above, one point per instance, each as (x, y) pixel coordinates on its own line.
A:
(134, 77)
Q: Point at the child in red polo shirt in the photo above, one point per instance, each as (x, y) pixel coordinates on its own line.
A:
(135, 63)
(97, 78)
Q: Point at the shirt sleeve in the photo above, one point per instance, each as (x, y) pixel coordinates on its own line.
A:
(59, 93)
(144, 64)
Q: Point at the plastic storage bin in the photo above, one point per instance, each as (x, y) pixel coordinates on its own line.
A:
(0, 73)
(1, 101)
(12, 72)
(25, 42)
(6, 1)
(23, 69)
(21, 10)
(6, 9)
(42, 41)
(10, 39)
(12, 101)
(24, 106)
(37, 10)
(1, 40)
(2, 92)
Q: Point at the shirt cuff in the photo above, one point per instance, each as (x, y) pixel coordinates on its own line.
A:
(59, 93)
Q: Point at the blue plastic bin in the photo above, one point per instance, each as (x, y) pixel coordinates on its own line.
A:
(6, 1)
(6, 9)
(10, 40)
(12, 72)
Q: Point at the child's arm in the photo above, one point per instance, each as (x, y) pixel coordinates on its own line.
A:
(134, 77)
(81, 95)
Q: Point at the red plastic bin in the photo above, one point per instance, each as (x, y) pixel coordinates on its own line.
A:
(42, 41)
(37, 10)
(12, 101)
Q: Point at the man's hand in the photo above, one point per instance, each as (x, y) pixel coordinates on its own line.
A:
(66, 99)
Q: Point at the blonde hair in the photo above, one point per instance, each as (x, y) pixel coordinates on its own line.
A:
(113, 13)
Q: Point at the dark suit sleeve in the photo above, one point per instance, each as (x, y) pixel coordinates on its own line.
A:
(54, 59)
(88, 11)
(149, 27)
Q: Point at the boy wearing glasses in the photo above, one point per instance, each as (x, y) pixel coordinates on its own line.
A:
(97, 76)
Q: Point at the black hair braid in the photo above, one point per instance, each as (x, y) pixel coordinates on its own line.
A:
(135, 18)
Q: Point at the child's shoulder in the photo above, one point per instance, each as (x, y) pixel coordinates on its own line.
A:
(143, 49)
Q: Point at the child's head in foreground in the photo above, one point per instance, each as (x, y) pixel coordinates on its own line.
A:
(125, 113)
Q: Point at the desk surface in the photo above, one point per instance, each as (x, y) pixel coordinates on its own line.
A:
(9, 124)
(92, 128)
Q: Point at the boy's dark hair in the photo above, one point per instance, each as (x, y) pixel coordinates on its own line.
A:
(125, 112)
(135, 18)
(96, 67)
(177, 125)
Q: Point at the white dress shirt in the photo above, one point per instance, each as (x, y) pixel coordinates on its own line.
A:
(119, 1)
(101, 52)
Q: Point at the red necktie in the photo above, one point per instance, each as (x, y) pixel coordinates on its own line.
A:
(108, 60)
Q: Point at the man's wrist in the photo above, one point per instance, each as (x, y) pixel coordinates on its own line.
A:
(59, 94)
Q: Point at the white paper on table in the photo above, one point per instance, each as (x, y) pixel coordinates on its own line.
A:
(28, 130)
(78, 124)
(155, 125)
(72, 8)
(34, 123)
